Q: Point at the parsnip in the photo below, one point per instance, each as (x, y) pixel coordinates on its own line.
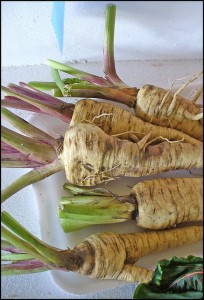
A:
(153, 204)
(117, 121)
(110, 118)
(151, 103)
(90, 156)
(104, 255)
(160, 107)
(163, 203)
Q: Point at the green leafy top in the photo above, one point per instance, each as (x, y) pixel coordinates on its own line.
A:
(177, 278)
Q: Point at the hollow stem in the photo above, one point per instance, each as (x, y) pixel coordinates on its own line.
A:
(78, 190)
(125, 95)
(87, 208)
(48, 86)
(108, 50)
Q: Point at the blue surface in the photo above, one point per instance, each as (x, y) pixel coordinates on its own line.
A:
(58, 21)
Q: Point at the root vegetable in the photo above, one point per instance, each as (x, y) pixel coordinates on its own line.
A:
(180, 198)
(119, 122)
(90, 156)
(152, 204)
(152, 104)
(160, 107)
(104, 255)
(104, 115)
(103, 157)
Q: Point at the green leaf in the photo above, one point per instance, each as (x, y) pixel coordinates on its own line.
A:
(177, 278)
(143, 291)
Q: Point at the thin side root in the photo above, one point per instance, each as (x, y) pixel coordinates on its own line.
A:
(197, 117)
(95, 175)
(194, 117)
(172, 105)
(159, 139)
(131, 132)
(102, 115)
(96, 117)
(199, 92)
(143, 142)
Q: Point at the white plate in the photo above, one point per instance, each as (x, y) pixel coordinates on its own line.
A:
(48, 193)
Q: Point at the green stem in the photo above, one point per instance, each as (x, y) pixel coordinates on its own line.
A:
(42, 86)
(46, 108)
(86, 210)
(53, 257)
(48, 86)
(77, 73)
(21, 269)
(49, 255)
(77, 190)
(15, 257)
(19, 164)
(124, 95)
(37, 150)
(18, 242)
(27, 128)
(114, 94)
(108, 50)
(58, 80)
(31, 177)
(57, 93)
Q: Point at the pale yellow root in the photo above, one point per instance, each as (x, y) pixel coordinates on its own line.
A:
(131, 273)
(163, 108)
(198, 94)
(91, 156)
(117, 121)
(164, 203)
(171, 107)
(108, 255)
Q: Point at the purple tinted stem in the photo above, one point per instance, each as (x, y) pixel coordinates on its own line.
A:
(108, 50)
(11, 159)
(37, 150)
(78, 73)
(34, 93)
(114, 94)
(8, 148)
(27, 128)
(19, 164)
(59, 112)
(26, 267)
(6, 246)
(14, 102)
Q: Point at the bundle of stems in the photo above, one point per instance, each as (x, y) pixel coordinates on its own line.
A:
(153, 204)
(88, 154)
(104, 255)
(152, 104)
